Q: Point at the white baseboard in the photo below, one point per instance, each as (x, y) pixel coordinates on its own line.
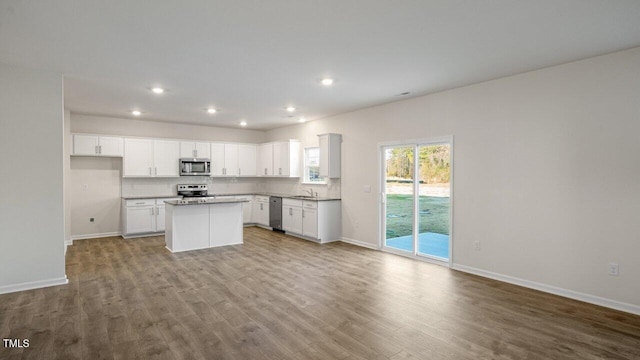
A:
(596, 300)
(33, 285)
(94, 236)
(359, 243)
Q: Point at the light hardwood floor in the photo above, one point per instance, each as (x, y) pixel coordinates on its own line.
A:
(277, 297)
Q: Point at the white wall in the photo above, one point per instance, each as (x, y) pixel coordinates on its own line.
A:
(31, 192)
(94, 192)
(546, 168)
(145, 128)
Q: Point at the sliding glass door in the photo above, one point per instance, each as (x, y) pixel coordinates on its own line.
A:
(399, 201)
(416, 198)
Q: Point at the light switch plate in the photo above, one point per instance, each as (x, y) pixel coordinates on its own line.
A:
(366, 188)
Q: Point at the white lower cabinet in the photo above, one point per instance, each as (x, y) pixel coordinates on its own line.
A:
(246, 206)
(140, 219)
(292, 216)
(143, 216)
(310, 219)
(319, 221)
(260, 210)
(160, 217)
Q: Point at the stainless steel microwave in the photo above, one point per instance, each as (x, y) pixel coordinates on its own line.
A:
(195, 167)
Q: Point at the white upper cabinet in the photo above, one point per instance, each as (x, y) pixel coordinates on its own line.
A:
(224, 159)
(230, 159)
(330, 149)
(94, 145)
(286, 158)
(138, 158)
(233, 159)
(145, 157)
(217, 159)
(246, 159)
(190, 149)
(166, 155)
(111, 146)
(280, 159)
(265, 160)
(85, 145)
(151, 158)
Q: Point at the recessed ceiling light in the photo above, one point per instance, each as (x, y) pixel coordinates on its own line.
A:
(211, 110)
(327, 81)
(136, 113)
(243, 123)
(302, 120)
(291, 109)
(157, 90)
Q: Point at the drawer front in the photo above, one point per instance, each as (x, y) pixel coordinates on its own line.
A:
(310, 204)
(141, 202)
(292, 202)
(262, 198)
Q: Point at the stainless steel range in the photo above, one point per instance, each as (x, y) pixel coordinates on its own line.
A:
(193, 191)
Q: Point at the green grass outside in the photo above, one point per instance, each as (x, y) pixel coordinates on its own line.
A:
(433, 217)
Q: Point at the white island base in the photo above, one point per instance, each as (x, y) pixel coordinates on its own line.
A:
(200, 226)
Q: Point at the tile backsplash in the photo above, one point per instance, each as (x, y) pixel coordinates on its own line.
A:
(217, 186)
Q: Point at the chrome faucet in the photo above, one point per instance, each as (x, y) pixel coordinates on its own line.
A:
(310, 191)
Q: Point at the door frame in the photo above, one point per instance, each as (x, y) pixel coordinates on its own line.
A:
(382, 146)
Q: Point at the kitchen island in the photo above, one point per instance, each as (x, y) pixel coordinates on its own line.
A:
(200, 224)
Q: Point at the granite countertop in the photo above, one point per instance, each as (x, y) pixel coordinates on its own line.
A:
(150, 197)
(207, 201)
(288, 196)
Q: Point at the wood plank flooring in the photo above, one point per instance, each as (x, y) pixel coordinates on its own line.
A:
(277, 297)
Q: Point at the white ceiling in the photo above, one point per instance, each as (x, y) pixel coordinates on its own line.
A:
(250, 59)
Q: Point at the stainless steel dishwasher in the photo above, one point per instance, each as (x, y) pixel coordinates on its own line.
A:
(275, 212)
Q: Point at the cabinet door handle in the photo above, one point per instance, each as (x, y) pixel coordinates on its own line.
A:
(156, 170)
(261, 206)
(150, 171)
(302, 212)
(97, 150)
(265, 171)
(195, 153)
(239, 171)
(291, 211)
(279, 171)
(100, 149)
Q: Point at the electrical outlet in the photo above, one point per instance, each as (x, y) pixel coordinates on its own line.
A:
(91, 219)
(614, 269)
(477, 245)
